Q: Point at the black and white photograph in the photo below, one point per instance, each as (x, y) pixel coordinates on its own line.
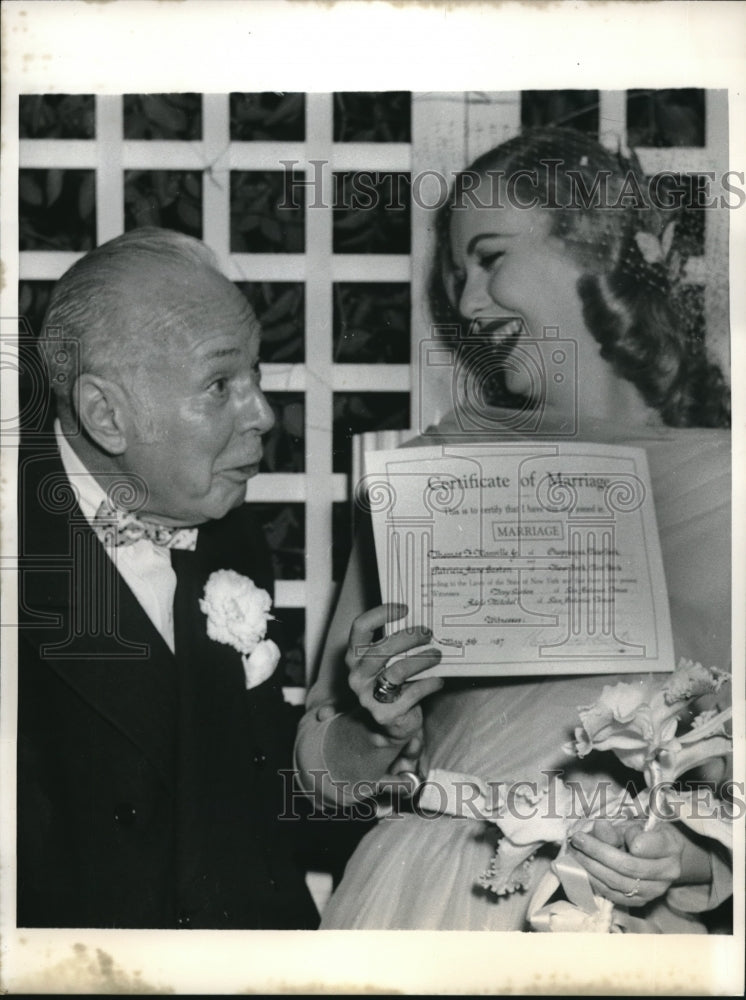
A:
(370, 457)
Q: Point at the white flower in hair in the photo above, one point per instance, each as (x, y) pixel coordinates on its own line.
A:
(237, 615)
(655, 250)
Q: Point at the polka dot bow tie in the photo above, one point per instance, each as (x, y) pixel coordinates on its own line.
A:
(115, 527)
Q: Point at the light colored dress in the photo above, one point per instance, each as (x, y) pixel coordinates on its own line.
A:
(416, 872)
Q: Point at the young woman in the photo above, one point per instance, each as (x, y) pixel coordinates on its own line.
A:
(547, 230)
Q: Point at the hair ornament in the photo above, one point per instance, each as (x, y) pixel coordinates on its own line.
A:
(657, 250)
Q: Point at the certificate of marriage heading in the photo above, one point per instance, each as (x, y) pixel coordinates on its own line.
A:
(523, 558)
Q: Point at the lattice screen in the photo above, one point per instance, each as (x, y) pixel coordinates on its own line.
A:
(332, 294)
(331, 285)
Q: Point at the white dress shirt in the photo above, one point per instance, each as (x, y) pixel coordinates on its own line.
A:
(145, 567)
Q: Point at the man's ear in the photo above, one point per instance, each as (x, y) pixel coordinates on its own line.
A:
(103, 411)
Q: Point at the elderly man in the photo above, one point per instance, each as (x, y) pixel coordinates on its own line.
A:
(148, 755)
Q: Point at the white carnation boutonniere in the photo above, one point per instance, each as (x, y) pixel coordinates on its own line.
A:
(237, 615)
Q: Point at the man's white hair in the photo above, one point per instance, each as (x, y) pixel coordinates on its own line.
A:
(85, 327)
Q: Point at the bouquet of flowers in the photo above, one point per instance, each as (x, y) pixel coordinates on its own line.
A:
(639, 722)
(237, 614)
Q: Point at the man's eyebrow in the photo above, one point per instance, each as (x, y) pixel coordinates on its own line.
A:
(485, 236)
(221, 352)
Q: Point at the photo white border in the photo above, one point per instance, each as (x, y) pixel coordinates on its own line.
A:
(71, 46)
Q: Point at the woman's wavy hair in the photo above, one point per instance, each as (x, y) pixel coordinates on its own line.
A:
(632, 302)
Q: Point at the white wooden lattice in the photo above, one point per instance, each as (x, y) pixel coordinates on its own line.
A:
(448, 131)
(109, 154)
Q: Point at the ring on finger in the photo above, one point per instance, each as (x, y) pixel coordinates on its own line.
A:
(635, 890)
(385, 690)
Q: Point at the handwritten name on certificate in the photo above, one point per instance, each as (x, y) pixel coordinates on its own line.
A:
(523, 558)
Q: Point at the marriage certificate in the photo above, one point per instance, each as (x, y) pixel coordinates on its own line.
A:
(523, 558)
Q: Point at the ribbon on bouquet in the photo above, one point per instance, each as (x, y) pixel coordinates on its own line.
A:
(582, 911)
(464, 795)
(454, 793)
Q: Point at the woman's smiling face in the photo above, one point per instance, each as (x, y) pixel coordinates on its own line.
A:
(512, 277)
(508, 264)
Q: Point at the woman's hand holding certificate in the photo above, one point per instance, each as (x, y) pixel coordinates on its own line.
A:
(372, 671)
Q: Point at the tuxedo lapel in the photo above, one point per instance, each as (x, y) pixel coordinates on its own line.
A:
(210, 692)
(206, 667)
(195, 710)
(85, 622)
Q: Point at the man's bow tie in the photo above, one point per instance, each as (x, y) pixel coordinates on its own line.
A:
(115, 527)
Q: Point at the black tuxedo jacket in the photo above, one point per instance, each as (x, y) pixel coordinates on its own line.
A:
(148, 787)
